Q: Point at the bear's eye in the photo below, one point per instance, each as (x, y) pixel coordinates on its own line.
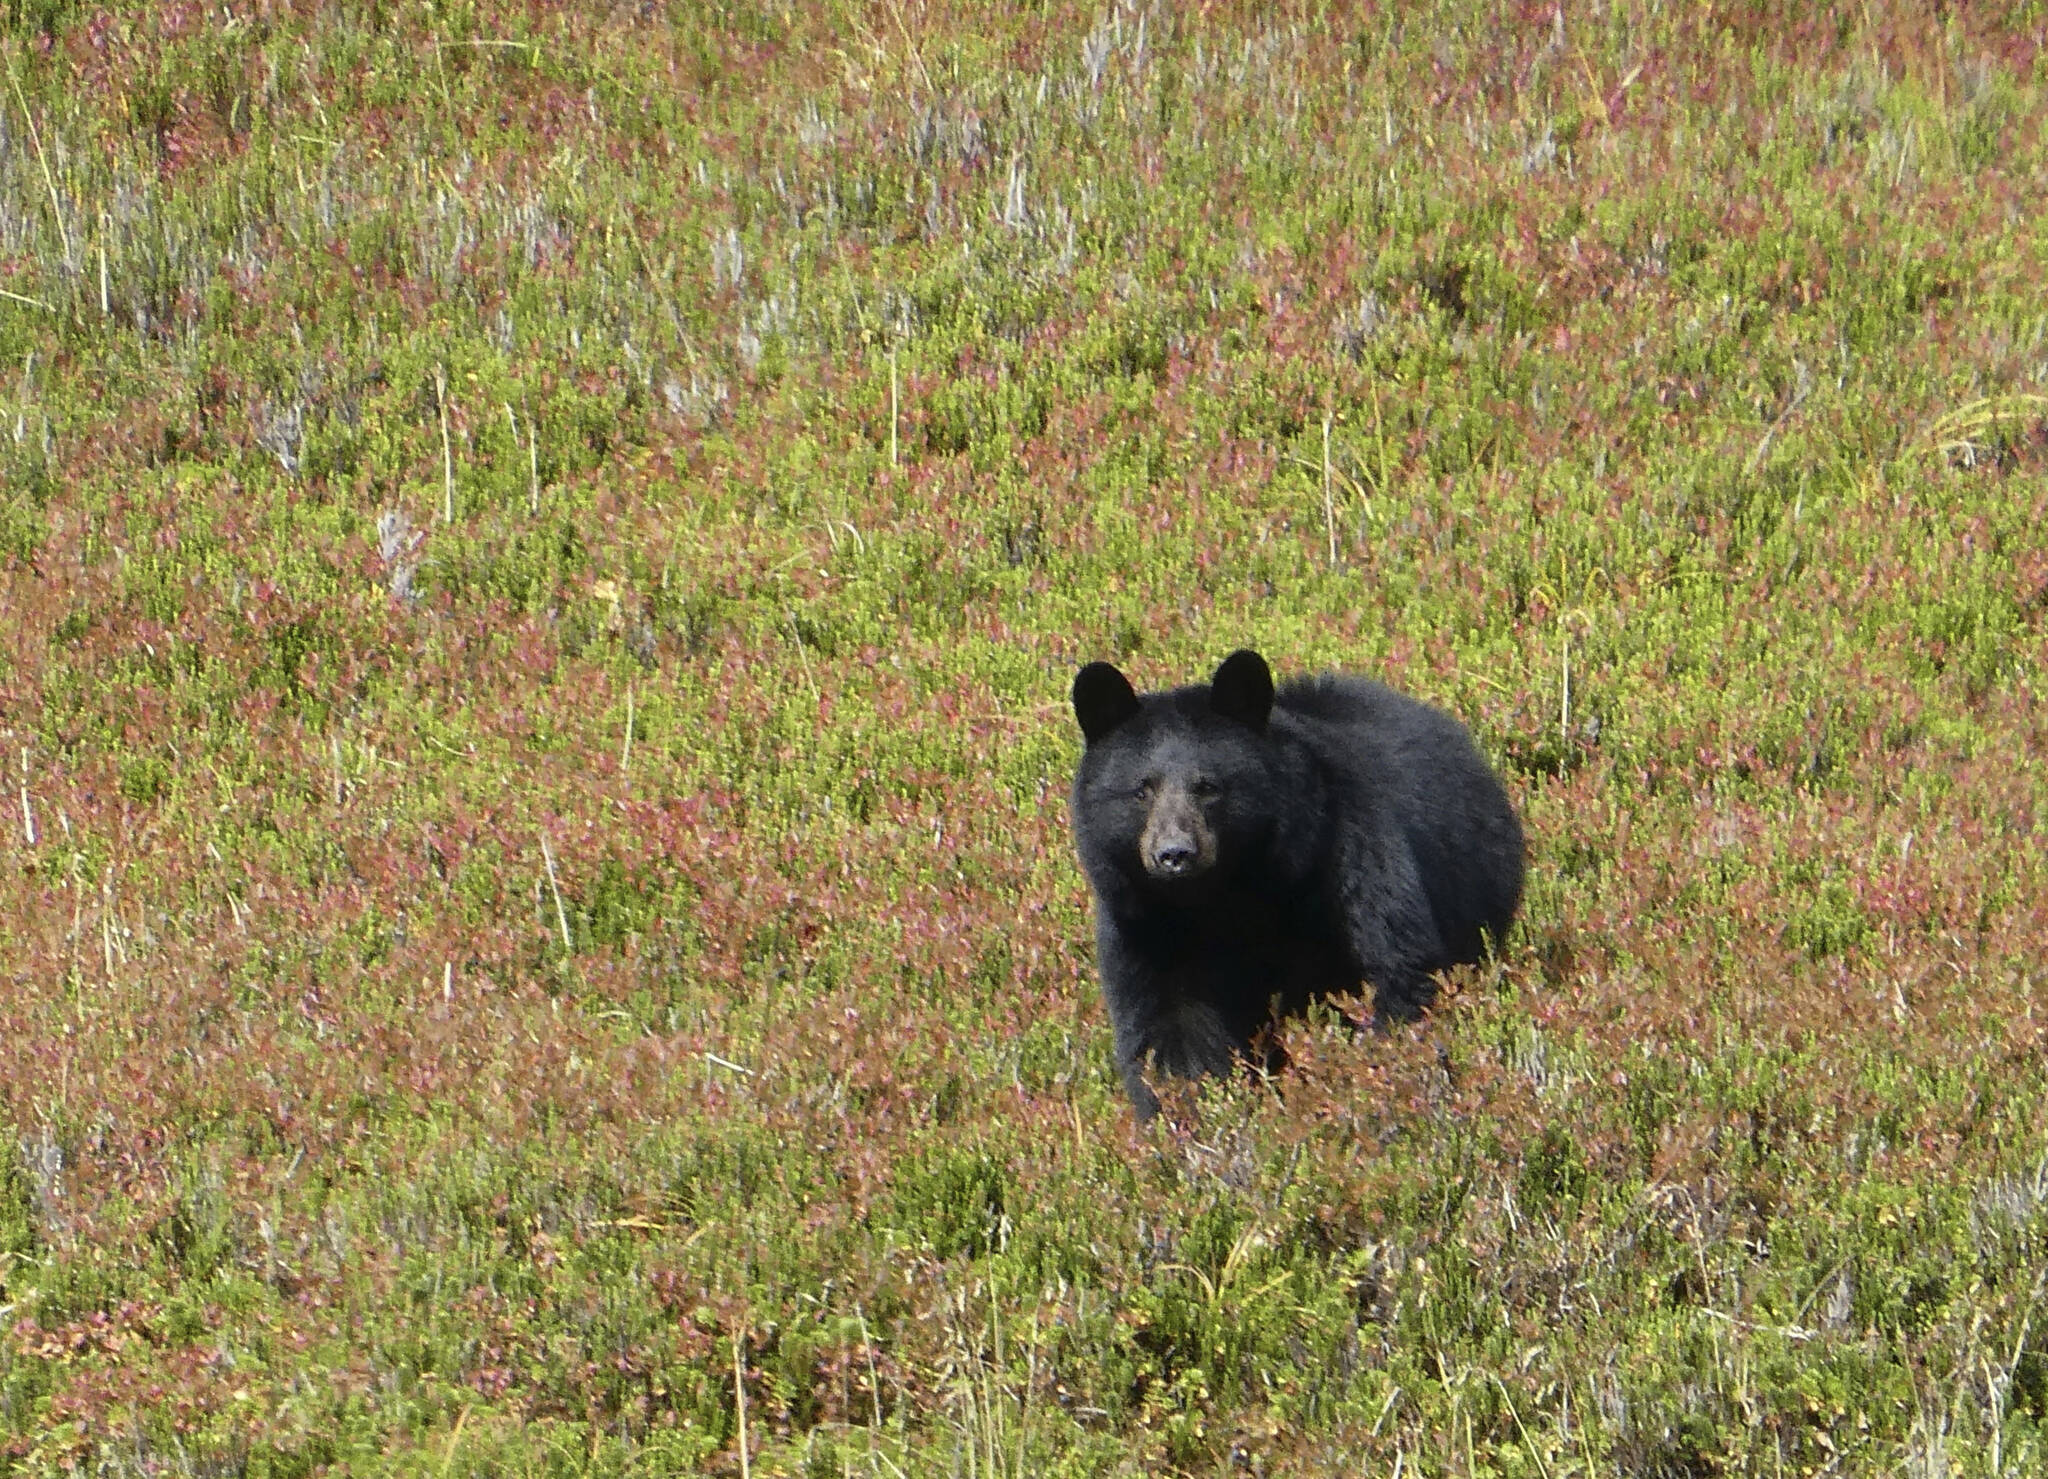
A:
(1144, 789)
(1206, 790)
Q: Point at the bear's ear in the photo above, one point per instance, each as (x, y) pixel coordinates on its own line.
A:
(1243, 689)
(1102, 700)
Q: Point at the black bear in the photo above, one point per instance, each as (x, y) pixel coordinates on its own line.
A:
(1252, 851)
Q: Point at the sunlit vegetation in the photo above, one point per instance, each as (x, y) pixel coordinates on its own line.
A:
(541, 553)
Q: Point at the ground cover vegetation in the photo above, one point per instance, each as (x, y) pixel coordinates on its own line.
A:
(542, 550)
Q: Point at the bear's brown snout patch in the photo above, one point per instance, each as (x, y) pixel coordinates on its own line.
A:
(1177, 842)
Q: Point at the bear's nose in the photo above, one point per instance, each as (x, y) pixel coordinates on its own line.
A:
(1173, 859)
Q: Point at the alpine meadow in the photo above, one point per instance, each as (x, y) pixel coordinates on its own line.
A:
(543, 548)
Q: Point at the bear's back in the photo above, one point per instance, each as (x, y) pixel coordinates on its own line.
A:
(1394, 760)
(1368, 713)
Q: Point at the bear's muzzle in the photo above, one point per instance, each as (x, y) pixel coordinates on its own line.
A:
(1177, 843)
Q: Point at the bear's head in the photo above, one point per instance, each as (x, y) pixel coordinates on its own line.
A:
(1173, 784)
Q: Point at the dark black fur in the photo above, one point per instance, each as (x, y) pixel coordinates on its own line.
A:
(1253, 851)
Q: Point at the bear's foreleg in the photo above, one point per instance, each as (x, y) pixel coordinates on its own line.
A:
(1158, 1025)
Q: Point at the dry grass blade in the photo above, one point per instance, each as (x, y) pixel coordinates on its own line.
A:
(1957, 430)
